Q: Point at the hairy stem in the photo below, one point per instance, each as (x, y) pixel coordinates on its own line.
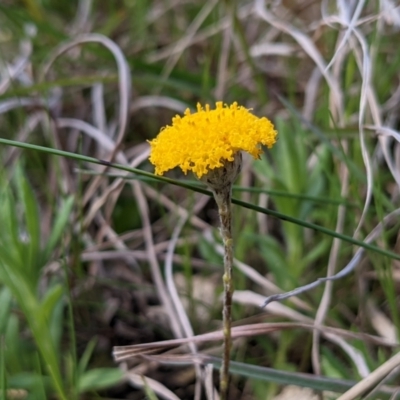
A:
(223, 199)
(220, 181)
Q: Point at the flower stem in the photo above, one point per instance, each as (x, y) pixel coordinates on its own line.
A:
(223, 199)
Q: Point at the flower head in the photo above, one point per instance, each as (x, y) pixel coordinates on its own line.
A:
(204, 140)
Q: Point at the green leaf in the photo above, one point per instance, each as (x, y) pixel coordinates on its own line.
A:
(49, 302)
(290, 151)
(148, 391)
(62, 219)
(13, 340)
(5, 305)
(10, 244)
(99, 378)
(293, 378)
(290, 378)
(31, 214)
(84, 361)
(29, 381)
(56, 323)
(274, 256)
(3, 377)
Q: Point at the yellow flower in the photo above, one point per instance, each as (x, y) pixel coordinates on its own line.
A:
(204, 140)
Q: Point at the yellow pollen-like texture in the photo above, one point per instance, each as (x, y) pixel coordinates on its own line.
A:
(200, 141)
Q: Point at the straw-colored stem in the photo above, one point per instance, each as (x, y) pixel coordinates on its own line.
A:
(223, 199)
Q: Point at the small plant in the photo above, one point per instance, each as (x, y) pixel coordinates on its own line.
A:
(210, 143)
(43, 369)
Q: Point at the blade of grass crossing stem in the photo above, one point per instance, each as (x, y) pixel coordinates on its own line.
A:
(266, 211)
